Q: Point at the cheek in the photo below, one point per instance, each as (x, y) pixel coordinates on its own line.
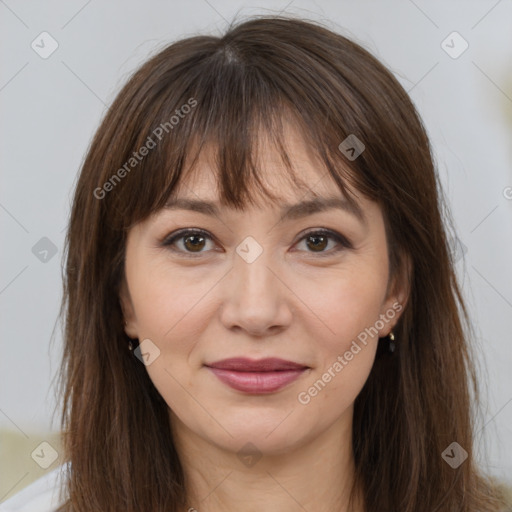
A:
(348, 304)
(166, 301)
(346, 352)
(171, 310)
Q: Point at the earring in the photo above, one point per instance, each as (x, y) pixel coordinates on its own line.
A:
(130, 343)
(391, 345)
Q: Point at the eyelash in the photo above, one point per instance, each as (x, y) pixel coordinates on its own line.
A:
(343, 242)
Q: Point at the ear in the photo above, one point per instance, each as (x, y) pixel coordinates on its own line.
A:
(130, 323)
(399, 288)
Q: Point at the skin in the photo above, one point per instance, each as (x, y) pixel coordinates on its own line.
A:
(292, 303)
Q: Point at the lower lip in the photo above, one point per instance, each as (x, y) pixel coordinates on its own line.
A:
(257, 382)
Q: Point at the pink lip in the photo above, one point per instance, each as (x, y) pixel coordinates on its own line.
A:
(261, 376)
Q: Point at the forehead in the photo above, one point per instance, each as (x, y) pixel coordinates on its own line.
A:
(308, 189)
(307, 178)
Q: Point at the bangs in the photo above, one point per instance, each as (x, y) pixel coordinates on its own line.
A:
(226, 105)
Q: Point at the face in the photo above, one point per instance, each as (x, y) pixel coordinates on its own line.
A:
(308, 288)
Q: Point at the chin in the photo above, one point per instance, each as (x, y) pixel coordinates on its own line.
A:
(273, 432)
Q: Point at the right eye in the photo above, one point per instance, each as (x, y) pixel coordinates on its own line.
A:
(188, 242)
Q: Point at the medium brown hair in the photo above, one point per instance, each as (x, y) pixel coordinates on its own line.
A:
(115, 425)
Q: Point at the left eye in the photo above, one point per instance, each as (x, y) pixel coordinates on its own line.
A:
(319, 239)
(193, 241)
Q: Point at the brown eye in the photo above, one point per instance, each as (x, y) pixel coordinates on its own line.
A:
(318, 243)
(194, 242)
(188, 242)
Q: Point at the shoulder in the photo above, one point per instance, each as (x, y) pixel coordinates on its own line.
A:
(503, 489)
(40, 496)
(506, 489)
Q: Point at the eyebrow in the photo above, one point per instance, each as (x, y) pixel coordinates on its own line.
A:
(288, 212)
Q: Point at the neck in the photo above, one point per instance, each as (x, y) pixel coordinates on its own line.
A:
(317, 475)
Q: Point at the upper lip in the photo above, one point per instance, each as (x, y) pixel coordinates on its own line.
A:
(242, 364)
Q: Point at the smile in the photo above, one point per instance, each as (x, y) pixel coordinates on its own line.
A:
(263, 376)
(257, 382)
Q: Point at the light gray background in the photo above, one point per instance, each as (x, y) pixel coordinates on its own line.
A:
(51, 107)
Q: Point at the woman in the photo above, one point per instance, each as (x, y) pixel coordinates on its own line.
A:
(261, 307)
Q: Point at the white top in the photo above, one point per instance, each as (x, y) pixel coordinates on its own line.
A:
(40, 496)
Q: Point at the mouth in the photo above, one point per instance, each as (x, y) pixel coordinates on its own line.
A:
(256, 376)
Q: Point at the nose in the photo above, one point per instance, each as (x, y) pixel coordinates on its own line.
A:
(256, 300)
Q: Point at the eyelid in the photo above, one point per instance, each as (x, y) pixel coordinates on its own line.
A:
(338, 237)
(342, 240)
(171, 238)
